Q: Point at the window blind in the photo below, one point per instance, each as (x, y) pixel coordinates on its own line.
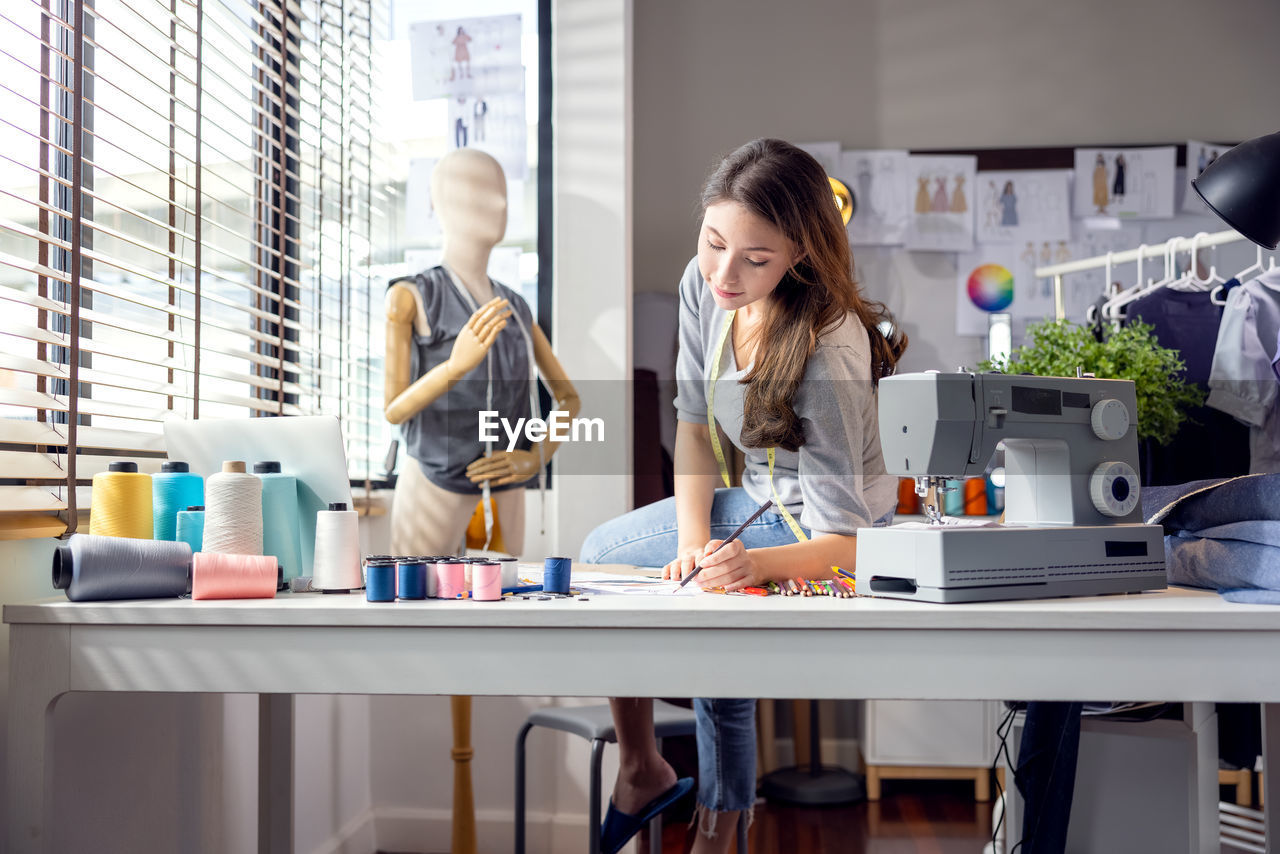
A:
(186, 221)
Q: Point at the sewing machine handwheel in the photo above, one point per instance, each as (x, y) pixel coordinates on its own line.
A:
(1109, 419)
(1114, 489)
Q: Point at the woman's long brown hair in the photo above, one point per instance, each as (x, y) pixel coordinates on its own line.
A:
(785, 186)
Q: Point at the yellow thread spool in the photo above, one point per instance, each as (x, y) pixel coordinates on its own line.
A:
(121, 503)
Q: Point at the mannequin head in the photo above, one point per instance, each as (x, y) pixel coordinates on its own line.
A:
(469, 194)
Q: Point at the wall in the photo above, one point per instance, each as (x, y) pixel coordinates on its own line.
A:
(921, 74)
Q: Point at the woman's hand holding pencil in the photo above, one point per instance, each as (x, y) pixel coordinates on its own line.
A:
(726, 563)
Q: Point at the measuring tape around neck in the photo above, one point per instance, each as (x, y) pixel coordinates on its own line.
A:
(796, 530)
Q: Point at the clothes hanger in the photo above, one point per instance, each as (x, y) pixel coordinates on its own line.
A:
(1113, 309)
(1217, 296)
(1091, 313)
(1190, 281)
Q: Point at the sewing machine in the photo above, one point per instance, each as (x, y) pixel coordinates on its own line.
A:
(1072, 523)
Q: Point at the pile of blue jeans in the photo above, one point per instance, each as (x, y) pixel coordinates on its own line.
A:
(1222, 535)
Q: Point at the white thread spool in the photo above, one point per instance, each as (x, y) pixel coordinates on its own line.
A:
(337, 554)
(233, 511)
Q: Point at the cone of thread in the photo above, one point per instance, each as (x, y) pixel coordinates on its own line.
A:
(120, 505)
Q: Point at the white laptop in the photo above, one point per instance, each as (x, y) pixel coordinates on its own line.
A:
(309, 447)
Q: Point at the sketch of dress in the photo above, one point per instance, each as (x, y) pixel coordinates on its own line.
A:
(1046, 254)
(1028, 255)
(1117, 185)
(1062, 253)
(958, 202)
(940, 204)
(461, 55)
(1008, 206)
(864, 208)
(923, 205)
(991, 206)
(1100, 198)
(480, 110)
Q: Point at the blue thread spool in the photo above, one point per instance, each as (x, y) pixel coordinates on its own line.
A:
(953, 501)
(413, 579)
(281, 524)
(555, 574)
(191, 527)
(173, 489)
(380, 581)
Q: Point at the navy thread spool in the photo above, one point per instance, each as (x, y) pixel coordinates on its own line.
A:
(191, 527)
(380, 581)
(94, 568)
(412, 579)
(281, 525)
(173, 489)
(555, 574)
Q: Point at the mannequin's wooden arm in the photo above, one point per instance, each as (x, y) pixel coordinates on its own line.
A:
(402, 398)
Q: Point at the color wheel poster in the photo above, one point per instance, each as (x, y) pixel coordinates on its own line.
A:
(989, 280)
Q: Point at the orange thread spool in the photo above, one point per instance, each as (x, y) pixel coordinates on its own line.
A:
(975, 497)
(908, 501)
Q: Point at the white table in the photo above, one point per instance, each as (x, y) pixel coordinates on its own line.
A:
(1176, 645)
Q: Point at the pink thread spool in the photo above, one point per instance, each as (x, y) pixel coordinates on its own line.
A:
(232, 576)
(486, 582)
(451, 579)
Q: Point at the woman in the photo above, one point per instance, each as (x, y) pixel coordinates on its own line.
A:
(780, 351)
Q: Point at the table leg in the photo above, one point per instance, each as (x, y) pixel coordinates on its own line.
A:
(38, 676)
(464, 807)
(1270, 771)
(275, 774)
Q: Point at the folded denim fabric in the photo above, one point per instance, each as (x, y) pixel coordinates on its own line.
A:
(1223, 535)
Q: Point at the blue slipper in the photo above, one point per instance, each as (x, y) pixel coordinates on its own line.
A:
(619, 827)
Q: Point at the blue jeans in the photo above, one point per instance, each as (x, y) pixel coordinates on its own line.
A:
(647, 536)
(1046, 775)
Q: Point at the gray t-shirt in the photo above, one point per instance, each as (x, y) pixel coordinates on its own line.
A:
(836, 482)
(444, 437)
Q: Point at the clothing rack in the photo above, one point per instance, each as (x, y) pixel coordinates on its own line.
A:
(1155, 250)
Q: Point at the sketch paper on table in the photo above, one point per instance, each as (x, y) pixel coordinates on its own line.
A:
(826, 153)
(1019, 206)
(466, 56)
(941, 215)
(882, 207)
(494, 124)
(1200, 155)
(1130, 183)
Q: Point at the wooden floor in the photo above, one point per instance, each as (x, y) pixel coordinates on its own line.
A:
(912, 817)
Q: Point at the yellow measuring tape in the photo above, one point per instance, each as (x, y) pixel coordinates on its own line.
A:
(715, 434)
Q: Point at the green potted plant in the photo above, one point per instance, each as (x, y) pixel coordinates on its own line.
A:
(1058, 348)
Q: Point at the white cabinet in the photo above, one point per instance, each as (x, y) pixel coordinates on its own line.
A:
(930, 739)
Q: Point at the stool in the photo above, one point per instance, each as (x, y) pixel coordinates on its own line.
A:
(595, 723)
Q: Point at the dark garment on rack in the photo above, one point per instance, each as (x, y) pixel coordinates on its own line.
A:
(1210, 443)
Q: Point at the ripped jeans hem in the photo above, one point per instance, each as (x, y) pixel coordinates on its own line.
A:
(707, 818)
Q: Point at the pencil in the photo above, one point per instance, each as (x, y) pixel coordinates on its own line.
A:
(754, 516)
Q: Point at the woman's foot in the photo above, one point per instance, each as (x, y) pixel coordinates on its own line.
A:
(637, 786)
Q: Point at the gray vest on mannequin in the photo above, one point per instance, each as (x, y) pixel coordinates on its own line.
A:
(444, 437)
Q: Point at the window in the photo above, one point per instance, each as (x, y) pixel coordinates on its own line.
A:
(417, 131)
(187, 218)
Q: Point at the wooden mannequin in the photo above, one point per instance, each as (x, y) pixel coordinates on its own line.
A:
(469, 193)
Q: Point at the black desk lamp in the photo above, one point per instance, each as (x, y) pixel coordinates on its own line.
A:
(1243, 188)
